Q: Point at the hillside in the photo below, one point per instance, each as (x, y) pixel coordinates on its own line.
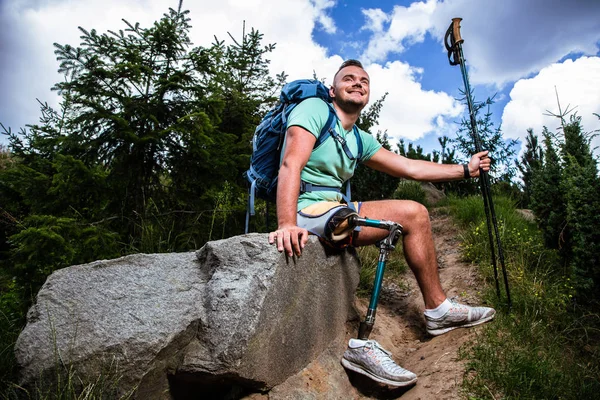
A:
(399, 328)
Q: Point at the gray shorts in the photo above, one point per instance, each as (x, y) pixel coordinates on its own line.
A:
(315, 217)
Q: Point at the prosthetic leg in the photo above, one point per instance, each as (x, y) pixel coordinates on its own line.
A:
(341, 224)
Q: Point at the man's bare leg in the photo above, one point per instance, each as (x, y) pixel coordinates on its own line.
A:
(417, 242)
(367, 357)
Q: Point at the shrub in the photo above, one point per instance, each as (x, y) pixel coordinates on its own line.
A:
(543, 347)
(410, 190)
(564, 198)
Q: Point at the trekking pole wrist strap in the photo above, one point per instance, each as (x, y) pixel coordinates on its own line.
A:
(467, 173)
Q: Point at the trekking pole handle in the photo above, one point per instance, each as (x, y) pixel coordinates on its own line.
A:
(456, 30)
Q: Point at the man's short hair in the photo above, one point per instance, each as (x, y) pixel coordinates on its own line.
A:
(349, 63)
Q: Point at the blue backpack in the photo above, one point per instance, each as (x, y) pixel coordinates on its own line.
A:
(268, 141)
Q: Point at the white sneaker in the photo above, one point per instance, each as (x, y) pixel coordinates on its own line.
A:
(458, 316)
(370, 359)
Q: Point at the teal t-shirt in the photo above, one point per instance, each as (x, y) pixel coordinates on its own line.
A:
(328, 164)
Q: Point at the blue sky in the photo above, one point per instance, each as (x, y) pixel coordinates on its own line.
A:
(427, 53)
(520, 50)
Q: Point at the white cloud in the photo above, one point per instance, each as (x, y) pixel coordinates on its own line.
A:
(511, 39)
(408, 25)
(324, 20)
(290, 24)
(504, 40)
(28, 56)
(577, 84)
(375, 19)
(409, 111)
(31, 26)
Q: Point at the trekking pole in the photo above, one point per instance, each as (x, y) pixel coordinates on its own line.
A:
(385, 247)
(456, 57)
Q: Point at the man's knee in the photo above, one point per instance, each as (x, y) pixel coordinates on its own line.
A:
(417, 214)
(406, 212)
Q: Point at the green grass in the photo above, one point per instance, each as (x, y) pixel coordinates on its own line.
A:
(68, 385)
(369, 256)
(65, 383)
(12, 317)
(546, 347)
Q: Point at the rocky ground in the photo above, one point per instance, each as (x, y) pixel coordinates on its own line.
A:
(399, 328)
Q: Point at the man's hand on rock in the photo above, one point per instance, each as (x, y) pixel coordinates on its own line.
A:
(291, 238)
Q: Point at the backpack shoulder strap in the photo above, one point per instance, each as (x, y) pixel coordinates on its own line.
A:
(329, 130)
(359, 143)
(328, 127)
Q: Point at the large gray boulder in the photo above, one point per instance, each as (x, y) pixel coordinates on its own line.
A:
(235, 314)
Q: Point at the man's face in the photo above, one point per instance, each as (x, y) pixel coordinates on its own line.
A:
(350, 88)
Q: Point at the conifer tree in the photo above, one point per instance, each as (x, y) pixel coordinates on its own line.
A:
(137, 106)
(531, 162)
(564, 198)
(501, 151)
(581, 188)
(149, 131)
(162, 123)
(547, 201)
(443, 140)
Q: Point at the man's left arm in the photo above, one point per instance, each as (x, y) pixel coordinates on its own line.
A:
(419, 170)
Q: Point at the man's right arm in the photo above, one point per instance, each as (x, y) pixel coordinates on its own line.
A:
(299, 146)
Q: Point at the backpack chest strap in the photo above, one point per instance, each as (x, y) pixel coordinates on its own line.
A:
(344, 145)
(329, 130)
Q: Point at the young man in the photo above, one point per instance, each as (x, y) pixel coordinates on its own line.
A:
(330, 165)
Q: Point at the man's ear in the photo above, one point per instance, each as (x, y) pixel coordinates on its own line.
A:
(331, 91)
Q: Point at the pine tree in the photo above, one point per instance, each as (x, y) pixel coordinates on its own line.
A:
(531, 162)
(417, 153)
(247, 89)
(581, 188)
(547, 201)
(137, 106)
(565, 201)
(443, 140)
(501, 151)
(165, 122)
(138, 155)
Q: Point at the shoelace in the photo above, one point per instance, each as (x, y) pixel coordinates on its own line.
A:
(456, 304)
(384, 357)
(454, 301)
(473, 314)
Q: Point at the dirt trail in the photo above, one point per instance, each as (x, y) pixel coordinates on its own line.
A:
(400, 328)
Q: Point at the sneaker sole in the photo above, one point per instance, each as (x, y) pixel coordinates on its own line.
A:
(357, 368)
(437, 332)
